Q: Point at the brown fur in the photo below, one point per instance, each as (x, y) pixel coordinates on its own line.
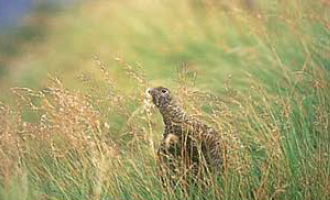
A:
(190, 149)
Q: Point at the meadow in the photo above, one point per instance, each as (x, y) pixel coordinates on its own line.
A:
(75, 125)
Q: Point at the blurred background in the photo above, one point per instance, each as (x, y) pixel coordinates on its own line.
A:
(23, 25)
(217, 39)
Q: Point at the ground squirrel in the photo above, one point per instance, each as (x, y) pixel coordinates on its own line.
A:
(186, 141)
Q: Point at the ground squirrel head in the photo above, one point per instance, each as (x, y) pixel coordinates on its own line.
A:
(161, 96)
(163, 99)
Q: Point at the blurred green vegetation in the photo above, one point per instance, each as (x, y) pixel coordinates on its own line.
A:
(267, 62)
(216, 39)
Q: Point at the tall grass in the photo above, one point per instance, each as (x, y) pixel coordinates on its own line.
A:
(266, 70)
(276, 145)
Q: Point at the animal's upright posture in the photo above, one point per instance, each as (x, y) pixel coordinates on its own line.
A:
(189, 147)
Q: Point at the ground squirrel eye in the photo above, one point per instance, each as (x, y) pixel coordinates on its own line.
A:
(164, 91)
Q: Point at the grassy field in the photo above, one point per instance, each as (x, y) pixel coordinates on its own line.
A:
(74, 124)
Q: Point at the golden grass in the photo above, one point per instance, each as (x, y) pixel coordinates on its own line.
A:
(105, 145)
